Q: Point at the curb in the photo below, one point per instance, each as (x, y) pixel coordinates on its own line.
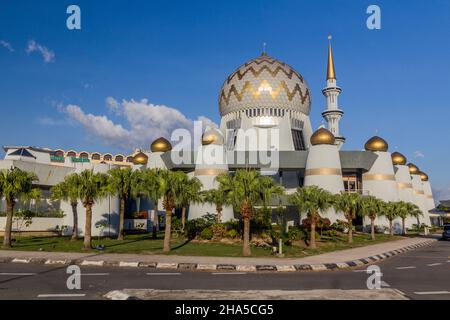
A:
(222, 267)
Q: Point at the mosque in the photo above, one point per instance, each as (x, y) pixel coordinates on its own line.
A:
(264, 107)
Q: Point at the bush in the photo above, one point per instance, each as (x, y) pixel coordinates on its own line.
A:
(232, 233)
(218, 230)
(206, 234)
(194, 227)
(339, 225)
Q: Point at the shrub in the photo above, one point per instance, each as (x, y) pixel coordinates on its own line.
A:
(194, 227)
(232, 233)
(218, 230)
(206, 234)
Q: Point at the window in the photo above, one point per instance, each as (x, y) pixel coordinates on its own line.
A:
(107, 157)
(72, 154)
(130, 159)
(84, 155)
(119, 158)
(297, 137)
(96, 156)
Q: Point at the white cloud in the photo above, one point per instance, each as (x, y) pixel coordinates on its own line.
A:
(144, 122)
(47, 54)
(419, 154)
(6, 45)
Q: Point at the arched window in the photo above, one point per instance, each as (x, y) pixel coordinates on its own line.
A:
(59, 153)
(130, 159)
(84, 155)
(107, 157)
(118, 158)
(95, 156)
(72, 154)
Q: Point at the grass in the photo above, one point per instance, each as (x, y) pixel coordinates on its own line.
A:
(143, 244)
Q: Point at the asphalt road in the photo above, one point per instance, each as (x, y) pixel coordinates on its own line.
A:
(423, 273)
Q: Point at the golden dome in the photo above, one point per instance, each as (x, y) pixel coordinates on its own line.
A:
(398, 158)
(376, 144)
(413, 169)
(322, 136)
(161, 145)
(140, 158)
(423, 176)
(212, 136)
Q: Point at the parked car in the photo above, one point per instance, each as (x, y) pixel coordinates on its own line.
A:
(446, 233)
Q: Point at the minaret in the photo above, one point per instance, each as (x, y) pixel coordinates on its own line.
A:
(332, 114)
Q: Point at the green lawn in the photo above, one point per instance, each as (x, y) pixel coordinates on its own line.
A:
(143, 244)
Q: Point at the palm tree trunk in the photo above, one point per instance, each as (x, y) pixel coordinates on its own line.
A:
(312, 236)
(372, 228)
(168, 231)
(391, 230)
(121, 218)
(75, 221)
(219, 214)
(183, 218)
(246, 246)
(8, 226)
(350, 231)
(403, 227)
(154, 223)
(88, 228)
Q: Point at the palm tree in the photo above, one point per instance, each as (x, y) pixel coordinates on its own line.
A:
(69, 190)
(14, 184)
(149, 185)
(312, 200)
(124, 184)
(216, 197)
(370, 207)
(414, 211)
(171, 188)
(93, 186)
(243, 192)
(403, 213)
(391, 210)
(190, 193)
(350, 205)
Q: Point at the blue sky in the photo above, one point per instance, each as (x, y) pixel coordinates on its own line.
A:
(69, 87)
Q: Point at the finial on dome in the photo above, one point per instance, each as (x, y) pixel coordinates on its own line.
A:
(331, 73)
(264, 53)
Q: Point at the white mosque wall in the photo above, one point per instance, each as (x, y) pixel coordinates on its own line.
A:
(155, 161)
(419, 196)
(405, 190)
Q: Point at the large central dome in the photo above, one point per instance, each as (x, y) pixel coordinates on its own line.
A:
(264, 82)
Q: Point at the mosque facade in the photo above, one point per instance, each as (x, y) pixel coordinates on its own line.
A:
(264, 107)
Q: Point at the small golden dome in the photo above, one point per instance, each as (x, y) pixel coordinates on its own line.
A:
(376, 144)
(212, 136)
(140, 158)
(161, 145)
(322, 136)
(423, 176)
(398, 159)
(413, 169)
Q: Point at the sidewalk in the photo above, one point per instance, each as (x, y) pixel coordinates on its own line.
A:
(332, 260)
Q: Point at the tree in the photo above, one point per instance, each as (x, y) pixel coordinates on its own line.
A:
(370, 207)
(392, 210)
(414, 211)
(14, 184)
(149, 185)
(123, 183)
(93, 187)
(350, 205)
(69, 190)
(403, 213)
(243, 192)
(171, 188)
(216, 197)
(312, 200)
(190, 193)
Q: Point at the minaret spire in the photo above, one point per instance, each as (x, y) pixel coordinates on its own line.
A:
(332, 114)
(331, 73)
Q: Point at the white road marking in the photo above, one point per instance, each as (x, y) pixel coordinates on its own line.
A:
(431, 292)
(434, 264)
(61, 295)
(95, 274)
(16, 274)
(227, 273)
(164, 274)
(402, 268)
